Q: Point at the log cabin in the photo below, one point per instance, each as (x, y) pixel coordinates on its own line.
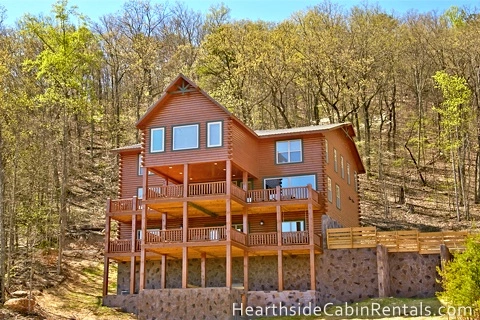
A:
(205, 201)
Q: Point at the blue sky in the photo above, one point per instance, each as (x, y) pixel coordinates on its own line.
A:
(269, 10)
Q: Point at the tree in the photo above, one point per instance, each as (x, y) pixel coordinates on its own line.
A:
(461, 278)
(455, 113)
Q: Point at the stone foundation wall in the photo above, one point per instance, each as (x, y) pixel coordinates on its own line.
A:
(127, 303)
(195, 303)
(413, 275)
(284, 301)
(347, 275)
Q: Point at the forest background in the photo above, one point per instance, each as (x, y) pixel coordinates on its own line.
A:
(72, 89)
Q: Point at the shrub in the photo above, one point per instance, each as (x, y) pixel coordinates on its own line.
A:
(461, 280)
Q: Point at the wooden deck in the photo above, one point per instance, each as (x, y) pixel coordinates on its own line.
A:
(395, 241)
(172, 239)
(211, 196)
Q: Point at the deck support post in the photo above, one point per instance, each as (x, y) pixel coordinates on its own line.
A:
(228, 225)
(245, 252)
(203, 270)
(163, 270)
(279, 243)
(143, 254)
(106, 261)
(311, 240)
(185, 249)
(133, 248)
(383, 272)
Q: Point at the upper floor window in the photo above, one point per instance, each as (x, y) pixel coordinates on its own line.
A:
(342, 168)
(335, 162)
(329, 189)
(289, 151)
(139, 166)
(355, 180)
(157, 140)
(337, 195)
(348, 173)
(293, 226)
(185, 137)
(140, 193)
(326, 150)
(214, 134)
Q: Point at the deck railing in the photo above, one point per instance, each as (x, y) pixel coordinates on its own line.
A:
(121, 205)
(207, 234)
(261, 195)
(294, 193)
(317, 240)
(119, 246)
(238, 236)
(169, 191)
(208, 188)
(395, 241)
(238, 192)
(298, 237)
(162, 236)
(262, 239)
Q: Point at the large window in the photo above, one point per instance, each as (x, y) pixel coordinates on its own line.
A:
(139, 166)
(294, 181)
(185, 137)
(214, 134)
(348, 173)
(293, 226)
(289, 151)
(140, 193)
(157, 140)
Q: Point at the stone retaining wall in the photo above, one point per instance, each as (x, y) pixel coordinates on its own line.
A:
(283, 303)
(126, 303)
(195, 303)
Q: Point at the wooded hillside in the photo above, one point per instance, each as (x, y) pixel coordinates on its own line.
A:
(72, 89)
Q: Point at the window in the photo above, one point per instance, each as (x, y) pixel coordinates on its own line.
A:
(140, 193)
(326, 150)
(214, 134)
(293, 226)
(289, 151)
(342, 168)
(238, 226)
(335, 163)
(157, 140)
(329, 189)
(348, 173)
(185, 137)
(337, 195)
(139, 166)
(294, 181)
(355, 180)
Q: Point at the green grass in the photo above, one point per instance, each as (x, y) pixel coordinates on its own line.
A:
(386, 308)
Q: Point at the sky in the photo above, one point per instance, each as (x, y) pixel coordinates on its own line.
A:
(268, 10)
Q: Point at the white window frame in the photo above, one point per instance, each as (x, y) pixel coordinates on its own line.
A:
(196, 146)
(289, 151)
(296, 222)
(152, 134)
(335, 162)
(342, 168)
(338, 197)
(355, 180)
(348, 173)
(140, 193)
(329, 189)
(209, 133)
(326, 151)
(139, 165)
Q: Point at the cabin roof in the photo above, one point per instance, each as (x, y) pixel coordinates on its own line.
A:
(131, 147)
(309, 129)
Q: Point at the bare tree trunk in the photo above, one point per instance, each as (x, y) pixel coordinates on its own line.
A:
(2, 226)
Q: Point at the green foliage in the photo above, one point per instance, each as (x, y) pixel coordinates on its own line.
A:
(461, 278)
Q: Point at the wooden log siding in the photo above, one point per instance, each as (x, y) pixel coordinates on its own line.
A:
(395, 241)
